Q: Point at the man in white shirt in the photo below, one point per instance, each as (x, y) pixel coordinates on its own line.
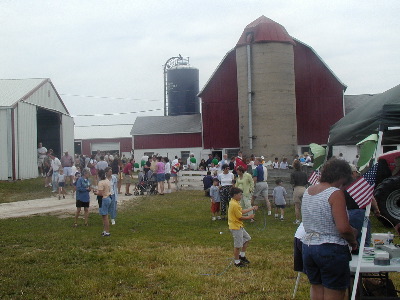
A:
(41, 154)
(102, 164)
(55, 166)
(175, 161)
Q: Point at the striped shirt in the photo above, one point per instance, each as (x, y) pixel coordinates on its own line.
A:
(318, 219)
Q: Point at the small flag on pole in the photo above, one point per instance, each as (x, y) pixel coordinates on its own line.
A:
(363, 188)
(314, 177)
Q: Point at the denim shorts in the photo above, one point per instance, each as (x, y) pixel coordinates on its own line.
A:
(160, 177)
(105, 208)
(327, 264)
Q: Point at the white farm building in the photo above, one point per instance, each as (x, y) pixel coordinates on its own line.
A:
(31, 111)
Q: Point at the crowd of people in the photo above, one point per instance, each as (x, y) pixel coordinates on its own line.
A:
(250, 175)
(100, 173)
(330, 220)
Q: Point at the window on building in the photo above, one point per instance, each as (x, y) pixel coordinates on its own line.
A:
(149, 154)
(185, 156)
(232, 152)
(305, 149)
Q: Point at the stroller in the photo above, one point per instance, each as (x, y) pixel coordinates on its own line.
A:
(147, 183)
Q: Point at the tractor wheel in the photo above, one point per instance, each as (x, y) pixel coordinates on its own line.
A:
(387, 194)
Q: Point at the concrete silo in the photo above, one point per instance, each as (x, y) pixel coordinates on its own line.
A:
(182, 89)
(266, 90)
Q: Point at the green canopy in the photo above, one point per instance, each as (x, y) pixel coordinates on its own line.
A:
(382, 109)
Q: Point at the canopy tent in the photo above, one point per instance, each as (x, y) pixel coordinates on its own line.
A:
(381, 109)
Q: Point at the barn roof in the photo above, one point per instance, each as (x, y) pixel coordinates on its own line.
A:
(263, 30)
(167, 124)
(102, 132)
(15, 90)
(353, 101)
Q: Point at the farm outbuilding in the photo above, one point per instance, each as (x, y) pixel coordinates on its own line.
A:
(271, 95)
(31, 111)
(113, 139)
(167, 136)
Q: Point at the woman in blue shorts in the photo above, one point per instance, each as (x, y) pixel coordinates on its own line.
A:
(104, 190)
(326, 253)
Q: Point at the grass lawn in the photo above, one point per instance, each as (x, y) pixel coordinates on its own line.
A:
(162, 247)
(21, 190)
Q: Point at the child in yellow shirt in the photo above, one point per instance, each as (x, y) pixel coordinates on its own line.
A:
(235, 221)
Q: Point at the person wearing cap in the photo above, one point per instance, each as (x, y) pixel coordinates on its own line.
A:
(67, 162)
(356, 214)
(260, 184)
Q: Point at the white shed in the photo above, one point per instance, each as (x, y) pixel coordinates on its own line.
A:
(31, 111)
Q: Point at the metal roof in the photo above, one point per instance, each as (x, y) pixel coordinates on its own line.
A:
(263, 30)
(102, 132)
(167, 124)
(351, 102)
(13, 90)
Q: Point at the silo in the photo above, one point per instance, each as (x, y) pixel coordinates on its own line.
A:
(266, 90)
(182, 89)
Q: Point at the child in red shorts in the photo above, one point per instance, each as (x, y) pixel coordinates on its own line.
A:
(215, 200)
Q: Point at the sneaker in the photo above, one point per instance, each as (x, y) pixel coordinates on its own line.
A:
(276, 216)
(252, 220)
(218, 217)
(282, 218)
(213, 218)
(105, 233)
(296, 222)
(244, 260)
(59, 197)
(240, 265)
(128, 194)
(269, 213)
(112, 222)
(63, 197)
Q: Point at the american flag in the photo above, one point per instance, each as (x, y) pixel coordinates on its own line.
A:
(314, 177)
(362, 189)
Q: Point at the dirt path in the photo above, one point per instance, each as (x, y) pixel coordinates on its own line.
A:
(46, 205)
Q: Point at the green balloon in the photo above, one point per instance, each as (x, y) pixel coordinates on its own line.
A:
(142, 163)
(215, 161)
(136, 165)
(193, 160)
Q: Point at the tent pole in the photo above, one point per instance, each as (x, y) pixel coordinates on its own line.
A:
(361, 251)
(379, 145)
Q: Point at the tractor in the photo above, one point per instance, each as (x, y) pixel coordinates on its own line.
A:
(387, 191)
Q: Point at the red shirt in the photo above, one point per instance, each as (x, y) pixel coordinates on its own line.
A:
(127, 168)
(240, 162)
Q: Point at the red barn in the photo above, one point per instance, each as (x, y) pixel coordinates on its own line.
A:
(286, 98)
